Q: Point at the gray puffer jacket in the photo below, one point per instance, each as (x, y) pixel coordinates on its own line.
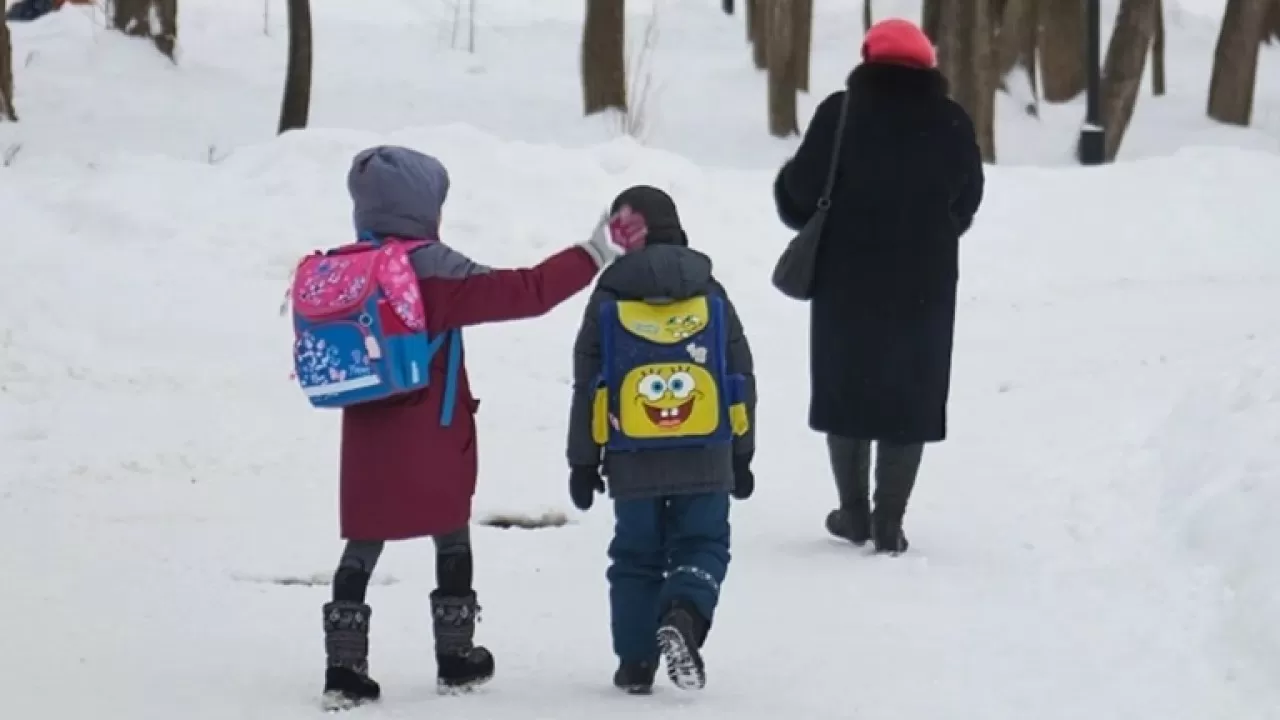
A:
(657, 273)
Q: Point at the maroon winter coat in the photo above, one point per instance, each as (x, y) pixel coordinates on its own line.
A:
(404, 475)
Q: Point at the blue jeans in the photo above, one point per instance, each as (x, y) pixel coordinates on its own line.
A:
(664, 550)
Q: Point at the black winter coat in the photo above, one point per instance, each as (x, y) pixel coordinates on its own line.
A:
(882, 318)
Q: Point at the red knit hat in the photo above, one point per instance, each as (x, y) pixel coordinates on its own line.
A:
(898, 42)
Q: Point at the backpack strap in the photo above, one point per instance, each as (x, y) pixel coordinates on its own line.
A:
(450, 400)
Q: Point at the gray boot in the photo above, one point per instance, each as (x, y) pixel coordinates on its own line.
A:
(346, 645)
(461, 664)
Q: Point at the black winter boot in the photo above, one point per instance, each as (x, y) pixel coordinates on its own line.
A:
(635, 678)
(851, 523)
(680, 636)
(461, 665)
(346, 645)
(896, 469)
(851, 466)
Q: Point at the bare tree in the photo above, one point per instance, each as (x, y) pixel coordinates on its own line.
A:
(1158, 86)
(7, 110)
(780, 29)
(1272, 25)
(156, 20)
(1123, 67)
(965, 57)
(296, 105)
(931, 20)
(803, 45)
(604, 61)
(756, 22)
(1062, 43)
(1235, 61)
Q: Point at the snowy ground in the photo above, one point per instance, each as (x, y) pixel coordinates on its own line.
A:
(1093, 542)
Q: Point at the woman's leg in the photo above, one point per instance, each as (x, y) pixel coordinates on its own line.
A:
(851, 465)
(897, 466)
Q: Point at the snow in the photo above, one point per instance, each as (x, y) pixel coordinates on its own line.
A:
(1094, 540)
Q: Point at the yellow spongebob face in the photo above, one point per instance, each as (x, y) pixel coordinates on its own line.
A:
(681, 327)
(669, 400)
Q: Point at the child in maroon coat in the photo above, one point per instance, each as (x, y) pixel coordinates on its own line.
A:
(405, 474)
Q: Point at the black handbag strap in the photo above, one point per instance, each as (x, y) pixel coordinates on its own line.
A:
(824, 202)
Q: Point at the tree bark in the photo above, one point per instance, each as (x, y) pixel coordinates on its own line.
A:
(1017, 34)
(1158, 86)
(604, 68)
(931, 20)
(1272, 25)
(1235, 61)
(803, 45)
(135, 19)
(965, 57)
(1122, 69)
(7, 109)
(295, 107)
(779, 25)
(757, 20)
(1062, 43)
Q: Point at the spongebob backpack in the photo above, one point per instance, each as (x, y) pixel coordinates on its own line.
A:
(664, 379)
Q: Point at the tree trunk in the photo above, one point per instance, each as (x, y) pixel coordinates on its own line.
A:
(756, 33)
(931, 22)
(964, 56)
(156, 20)
(867, 20)
(1122, 69)
(1235, 61)
(727, 6)
(1017, 34)
(779, 26)
(7, 109)
(1272, 25)
(1158, 86)
(1062, 43)
(803, 49)
(296, 105)
(604, 69)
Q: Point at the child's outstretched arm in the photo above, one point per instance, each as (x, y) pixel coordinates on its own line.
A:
(740, 362)
(582, 448)
(458, 292)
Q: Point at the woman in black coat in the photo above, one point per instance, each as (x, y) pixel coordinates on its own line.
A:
(908, 183)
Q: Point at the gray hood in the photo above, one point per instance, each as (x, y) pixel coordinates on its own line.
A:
(397, 191)
(659, 273)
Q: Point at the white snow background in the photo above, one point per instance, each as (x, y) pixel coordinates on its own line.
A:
(1095, 540)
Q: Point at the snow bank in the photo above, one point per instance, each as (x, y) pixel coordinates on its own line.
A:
(150, 433)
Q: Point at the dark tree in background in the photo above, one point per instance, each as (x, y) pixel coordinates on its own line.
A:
(756, 23)
(1235, 61)
(931, 22)
(604, 67)
(1123, 67)
(780, 29)
(1272, 33)
(802, 47)
(7, 110)
(1061, 44)
(295, 108)
(156, 20)
(964, 56)
(1158, 80)
(1015, 45)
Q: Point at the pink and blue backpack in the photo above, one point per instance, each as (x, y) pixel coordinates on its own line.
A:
(360, 332)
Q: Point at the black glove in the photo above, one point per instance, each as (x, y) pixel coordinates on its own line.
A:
(584, 483)
(744, 482)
